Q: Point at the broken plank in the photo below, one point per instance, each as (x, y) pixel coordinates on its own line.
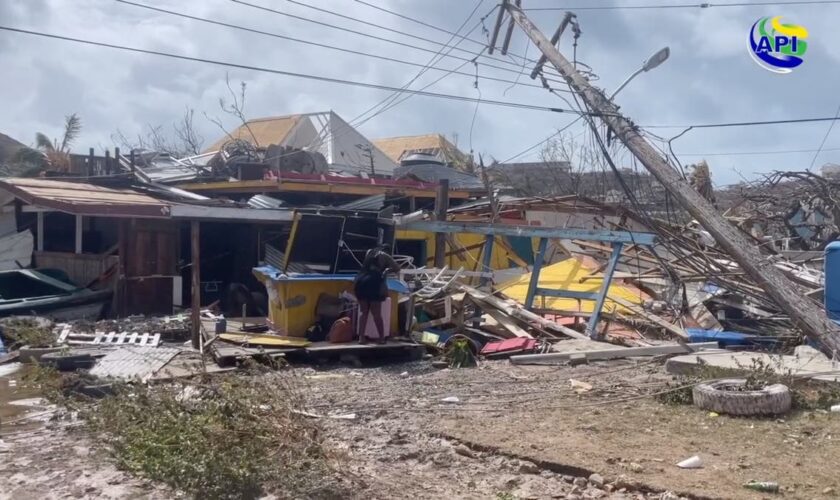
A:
(508, 324)
(601, 354)
(639, 311)
(517, 311)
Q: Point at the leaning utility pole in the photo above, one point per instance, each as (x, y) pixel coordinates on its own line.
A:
(805, 314)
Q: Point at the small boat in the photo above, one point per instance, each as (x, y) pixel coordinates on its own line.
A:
(49, 293)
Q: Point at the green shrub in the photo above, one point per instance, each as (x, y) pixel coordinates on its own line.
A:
(215, 438)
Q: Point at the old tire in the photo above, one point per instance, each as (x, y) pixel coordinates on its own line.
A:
(724, 396)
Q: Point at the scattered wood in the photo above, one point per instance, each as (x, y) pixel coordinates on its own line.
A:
(601, 354)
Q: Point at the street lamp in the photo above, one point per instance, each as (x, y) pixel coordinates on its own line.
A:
(655, 60)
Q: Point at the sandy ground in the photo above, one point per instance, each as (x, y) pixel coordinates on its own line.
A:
(504, 432)
(536, 413)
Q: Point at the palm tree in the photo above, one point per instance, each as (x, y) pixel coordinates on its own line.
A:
(47, 154)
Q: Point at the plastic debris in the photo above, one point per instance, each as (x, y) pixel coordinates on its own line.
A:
(694, 462)
(763, 486)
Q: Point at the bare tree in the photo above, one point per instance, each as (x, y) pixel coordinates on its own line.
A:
(236, 108)
(182, 141)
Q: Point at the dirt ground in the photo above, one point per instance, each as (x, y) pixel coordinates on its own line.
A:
(499, 431)
(536, 414)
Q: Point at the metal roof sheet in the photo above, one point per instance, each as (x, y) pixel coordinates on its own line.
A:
(84, 198)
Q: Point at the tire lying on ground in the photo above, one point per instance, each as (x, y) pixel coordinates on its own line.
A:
(729, 396)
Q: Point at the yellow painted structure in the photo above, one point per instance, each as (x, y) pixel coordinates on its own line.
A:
(292, 300)
(471, 258)
(567, 275)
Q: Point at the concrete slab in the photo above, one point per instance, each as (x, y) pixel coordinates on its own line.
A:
(805, 362)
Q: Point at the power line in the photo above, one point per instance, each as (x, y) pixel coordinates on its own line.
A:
(316, 44)
(704, 5)
(368, 35)
(375, 86)
(759, 153)
(438, 28)
(392, 100)
(825, 138)
(749, 124)
(535, 146)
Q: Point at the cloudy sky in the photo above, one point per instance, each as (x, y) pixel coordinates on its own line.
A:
(710, 77)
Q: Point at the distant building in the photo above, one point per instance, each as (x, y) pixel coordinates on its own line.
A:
(345, 149)
(398, 148)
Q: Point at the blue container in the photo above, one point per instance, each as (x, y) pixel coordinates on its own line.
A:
(832, 280)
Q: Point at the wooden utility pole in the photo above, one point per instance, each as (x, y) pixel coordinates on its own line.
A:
(805, 314)
(441, 207)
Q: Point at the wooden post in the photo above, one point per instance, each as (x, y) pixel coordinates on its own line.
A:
(91, 164)
(79, 229)
(195, 255)
(40, 230)
(122, 283)
(806, 314)
(107, 162)
(441, 207)
(412, 204)
(117, 166)
(495, 34)
(132, 160)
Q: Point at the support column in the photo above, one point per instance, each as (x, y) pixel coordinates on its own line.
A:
(487, 258)
(195, 255)
(79, 229)
(535, 274)
(40, 231)
(592, 327)
(441, 207)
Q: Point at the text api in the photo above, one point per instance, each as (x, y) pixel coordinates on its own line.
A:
(776, 46)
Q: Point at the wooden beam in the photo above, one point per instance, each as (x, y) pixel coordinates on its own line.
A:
(40, 231)
(195, 256)
(79, 229)
(441, 207)
(640, 311)
(596, 354)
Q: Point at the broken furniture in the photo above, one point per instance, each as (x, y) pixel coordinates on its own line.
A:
(616, 238)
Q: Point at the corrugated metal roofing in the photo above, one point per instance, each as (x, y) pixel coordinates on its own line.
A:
(263, 201)
(160, 167)
(372, 203)
(433, 173)
(85, 199)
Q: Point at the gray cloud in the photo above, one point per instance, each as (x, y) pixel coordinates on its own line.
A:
(709, 78)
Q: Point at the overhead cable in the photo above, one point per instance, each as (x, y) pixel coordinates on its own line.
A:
(326, 79)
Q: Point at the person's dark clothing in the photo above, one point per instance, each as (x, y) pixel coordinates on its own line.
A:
(370, 284)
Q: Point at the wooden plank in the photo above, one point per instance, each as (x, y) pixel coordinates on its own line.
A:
(121, 338)
(195, 311)
(601, 354)
(516, 310)
(507, 323)
(143, 339)
(155, 340)
(133, 338)
(110, 337)
(639, 311)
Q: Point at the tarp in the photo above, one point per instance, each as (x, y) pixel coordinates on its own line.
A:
(567, 275)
